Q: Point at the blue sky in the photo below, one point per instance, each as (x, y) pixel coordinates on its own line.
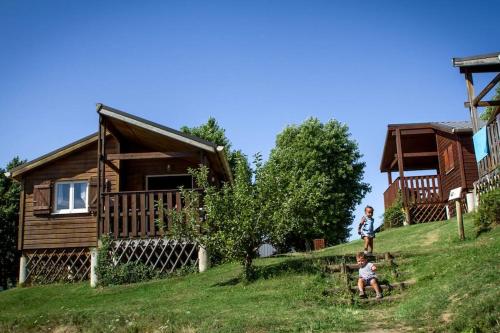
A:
(256, 66)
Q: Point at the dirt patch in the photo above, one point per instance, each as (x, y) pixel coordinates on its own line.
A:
(66, 329)
(431, 238)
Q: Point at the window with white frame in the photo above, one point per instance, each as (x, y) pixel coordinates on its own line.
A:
(71, 197)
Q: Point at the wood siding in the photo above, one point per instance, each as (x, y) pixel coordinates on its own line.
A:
(451, 179)
(470, 165)
(64, 230)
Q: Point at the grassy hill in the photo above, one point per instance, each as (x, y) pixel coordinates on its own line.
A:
(456, 290)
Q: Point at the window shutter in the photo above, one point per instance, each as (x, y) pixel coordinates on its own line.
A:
(93, 194)
(42, 194)
(450, 157)
(446, 164)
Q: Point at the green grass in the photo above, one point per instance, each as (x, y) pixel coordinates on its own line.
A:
(456, 290)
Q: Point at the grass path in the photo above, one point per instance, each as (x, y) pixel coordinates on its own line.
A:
(457, 290)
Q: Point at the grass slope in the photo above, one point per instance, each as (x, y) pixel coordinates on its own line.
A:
(456, 290)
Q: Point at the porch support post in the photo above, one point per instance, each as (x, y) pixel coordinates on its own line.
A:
(93, 267)
(389, 177)
(203, 260)
(23, 270)
(472, 107)
(399, 150)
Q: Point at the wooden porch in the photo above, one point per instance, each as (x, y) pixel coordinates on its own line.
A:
(138, 214)
(414, 190)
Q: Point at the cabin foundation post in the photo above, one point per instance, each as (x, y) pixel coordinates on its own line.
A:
(23, 270)
(93, 266)
(203, 260)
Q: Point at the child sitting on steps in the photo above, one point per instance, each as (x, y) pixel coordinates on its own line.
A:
(367, 276)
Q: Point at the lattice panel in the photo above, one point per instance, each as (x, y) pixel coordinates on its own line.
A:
(428, 212)
(57, 265)
(162, 254)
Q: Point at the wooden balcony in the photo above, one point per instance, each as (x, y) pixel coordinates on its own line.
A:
(134, 214)
(417, 190)
(491, 162)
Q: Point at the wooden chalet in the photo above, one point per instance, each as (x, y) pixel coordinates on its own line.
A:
(487, 64)
(109, 183)
(445, 149)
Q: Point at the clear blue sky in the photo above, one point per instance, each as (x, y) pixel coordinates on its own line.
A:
(255, 66)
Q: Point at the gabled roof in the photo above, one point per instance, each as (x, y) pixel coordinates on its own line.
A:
(132, 123)
(53, 155)
(446, 126)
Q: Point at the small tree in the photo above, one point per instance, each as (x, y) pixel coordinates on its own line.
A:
(9, 215)
(230, 222)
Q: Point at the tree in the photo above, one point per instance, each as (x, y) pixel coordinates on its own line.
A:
(9, 213)
(211, 131)
(312, 183)
(486, 115)
(231, 222)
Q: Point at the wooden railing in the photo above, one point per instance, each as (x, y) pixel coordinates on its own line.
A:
(418, 190)
(137, 213)
(492, 161)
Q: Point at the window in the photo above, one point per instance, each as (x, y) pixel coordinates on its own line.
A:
(71, 197)
(449, 159)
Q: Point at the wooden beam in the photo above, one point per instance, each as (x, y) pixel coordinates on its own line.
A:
(389, 177)
(484, 103)
(393, 162)
(486, 89)
(20, 227)
(421, 154)
(470, 93)
(148, 155)
(415, 131)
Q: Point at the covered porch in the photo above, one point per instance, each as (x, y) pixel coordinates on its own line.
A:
(413, 148)
(150, 162)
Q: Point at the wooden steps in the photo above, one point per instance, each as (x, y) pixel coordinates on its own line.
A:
(397, 285)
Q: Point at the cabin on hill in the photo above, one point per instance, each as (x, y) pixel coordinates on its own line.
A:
(109, 183)
(445, 150)
(487, 136)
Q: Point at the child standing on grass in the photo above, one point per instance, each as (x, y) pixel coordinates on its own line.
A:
(365, 229)
(367, 276)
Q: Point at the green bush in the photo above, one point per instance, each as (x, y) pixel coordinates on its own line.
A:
(394, 216)
(110, 274)
(488, 214)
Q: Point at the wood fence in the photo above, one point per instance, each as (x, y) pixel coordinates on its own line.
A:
(491, 162)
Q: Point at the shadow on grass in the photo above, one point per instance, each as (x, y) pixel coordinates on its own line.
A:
(291, 266)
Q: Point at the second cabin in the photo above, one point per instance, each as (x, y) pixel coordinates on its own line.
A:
(441, 153)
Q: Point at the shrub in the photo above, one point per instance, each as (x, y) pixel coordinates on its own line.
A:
(488, 214)
(111, 274)
(394, 216)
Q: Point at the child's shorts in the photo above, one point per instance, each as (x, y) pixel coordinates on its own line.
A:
(363, 235)
(368, 281)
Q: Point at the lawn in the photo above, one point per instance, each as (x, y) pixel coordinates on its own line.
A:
(456, 290)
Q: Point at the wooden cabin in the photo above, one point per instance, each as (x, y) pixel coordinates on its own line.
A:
(486, 64)
(444, 149)
(109, 183)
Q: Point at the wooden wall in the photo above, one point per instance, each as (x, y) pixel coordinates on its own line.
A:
(65, 230)
(468, 170)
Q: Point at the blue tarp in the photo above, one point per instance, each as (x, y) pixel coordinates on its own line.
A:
(480, 144)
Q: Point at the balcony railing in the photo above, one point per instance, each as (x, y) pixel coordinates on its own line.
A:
(134, 214)
(418, 190)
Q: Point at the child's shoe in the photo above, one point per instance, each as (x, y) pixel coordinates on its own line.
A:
(362, 295)
(379, 296)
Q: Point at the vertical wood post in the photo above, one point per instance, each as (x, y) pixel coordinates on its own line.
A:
(472, 108)
(93, 267)
(99, 176)
(203, 259)
(23, 270)
(460, 220)
(399, 150)
(389, 177)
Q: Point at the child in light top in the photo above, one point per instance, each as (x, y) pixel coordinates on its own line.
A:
(367, 276)
(365, 229)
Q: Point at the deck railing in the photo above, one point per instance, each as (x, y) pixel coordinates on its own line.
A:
(133, 214)
(490, 163)
(418, 190)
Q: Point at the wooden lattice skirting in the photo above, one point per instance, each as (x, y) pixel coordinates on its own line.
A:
(162, 254)
(428, 212)
(487, 183)
(57, 265)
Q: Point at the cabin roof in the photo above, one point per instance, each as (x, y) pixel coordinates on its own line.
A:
(138, 129)
(478, 63)
(418, 140)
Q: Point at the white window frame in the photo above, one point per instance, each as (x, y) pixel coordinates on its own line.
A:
(71, 210)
